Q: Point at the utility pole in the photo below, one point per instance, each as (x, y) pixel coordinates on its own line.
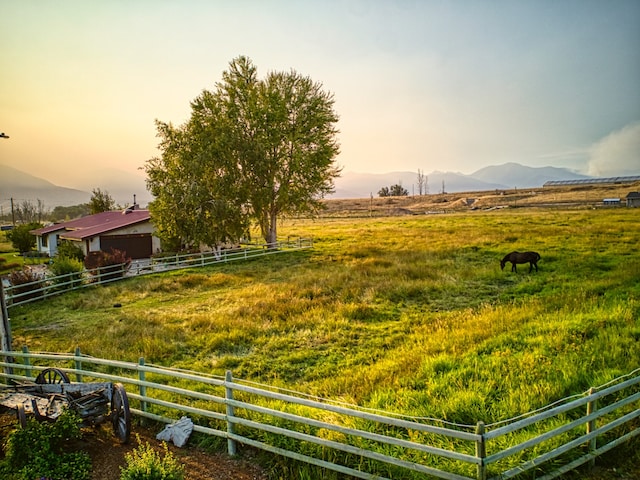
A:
(13, 213)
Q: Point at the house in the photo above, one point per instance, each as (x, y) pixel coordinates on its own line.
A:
(129, 230)
(633, 199)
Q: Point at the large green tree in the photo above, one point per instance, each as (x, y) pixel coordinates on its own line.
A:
(252, 150)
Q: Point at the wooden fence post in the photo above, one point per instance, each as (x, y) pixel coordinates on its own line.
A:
(231, 444)
(591, 426)
(481, 452)
(78, 364)
(143, 388)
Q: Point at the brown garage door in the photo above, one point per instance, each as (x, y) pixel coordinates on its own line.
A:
(135, 246)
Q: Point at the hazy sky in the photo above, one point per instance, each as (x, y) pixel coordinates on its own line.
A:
(433, 85)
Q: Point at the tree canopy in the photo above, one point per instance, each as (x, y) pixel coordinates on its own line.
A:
(101, 201)
(252, 150)
(396, 190)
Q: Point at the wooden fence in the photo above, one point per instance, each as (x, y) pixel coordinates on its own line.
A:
(359, 442)
(48, 286)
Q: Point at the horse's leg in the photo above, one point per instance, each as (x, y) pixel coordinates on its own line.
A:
(513, 267)
(530, 267)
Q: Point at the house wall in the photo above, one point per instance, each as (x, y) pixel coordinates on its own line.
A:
(145, 227)
(51, 247)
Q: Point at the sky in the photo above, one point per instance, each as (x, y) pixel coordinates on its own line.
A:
(427, 85)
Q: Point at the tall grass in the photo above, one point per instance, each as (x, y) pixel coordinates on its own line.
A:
(411, 315)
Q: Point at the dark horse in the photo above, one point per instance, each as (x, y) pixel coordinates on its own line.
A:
(521, 257)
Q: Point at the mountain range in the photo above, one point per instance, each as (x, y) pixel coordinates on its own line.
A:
(20, 186)
(506, 176)
(122, 186)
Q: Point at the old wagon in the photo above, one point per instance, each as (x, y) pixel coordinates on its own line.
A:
(52, 392)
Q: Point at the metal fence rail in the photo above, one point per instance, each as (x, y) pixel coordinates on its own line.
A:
(358, 442)
(54, 285)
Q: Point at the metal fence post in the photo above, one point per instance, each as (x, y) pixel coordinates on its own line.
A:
(78, 364)
(481, 452)
(143, 388)
(5, 325)
(28, 371)
(591, 426)
(231, 444)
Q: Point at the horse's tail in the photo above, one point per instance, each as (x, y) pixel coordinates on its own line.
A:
(537, 256)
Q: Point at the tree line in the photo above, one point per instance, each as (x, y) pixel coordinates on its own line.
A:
(397, 190)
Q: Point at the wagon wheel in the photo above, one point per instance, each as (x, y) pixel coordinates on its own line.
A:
(120, 413)
(52, 375)
(22, 416)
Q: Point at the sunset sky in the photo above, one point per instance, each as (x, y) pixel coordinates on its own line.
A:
(433, 85)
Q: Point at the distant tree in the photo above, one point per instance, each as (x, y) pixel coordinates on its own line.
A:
(396, 190)
(60, 214)
(101, 201)
(422, 182)
(28, 212)
(21, 239)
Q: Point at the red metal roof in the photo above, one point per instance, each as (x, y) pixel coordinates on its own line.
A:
(94, 225)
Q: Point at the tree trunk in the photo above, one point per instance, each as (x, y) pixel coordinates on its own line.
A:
(272, 234)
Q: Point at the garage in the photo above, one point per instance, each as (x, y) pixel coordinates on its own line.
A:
(135, 245)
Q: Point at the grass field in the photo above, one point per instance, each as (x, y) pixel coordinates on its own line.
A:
(405, 314)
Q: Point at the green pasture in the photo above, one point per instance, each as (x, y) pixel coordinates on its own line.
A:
(407, 314)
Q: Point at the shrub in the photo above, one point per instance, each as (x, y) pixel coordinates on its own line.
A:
(41, 450)
(20, 237)
(26, 280)
(144, 463)
(70, 250)
(71, 268)
(108, 265)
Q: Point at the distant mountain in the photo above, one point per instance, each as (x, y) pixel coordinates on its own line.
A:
(22, 186)
(509, 175)
(121, 186)
(520, 176)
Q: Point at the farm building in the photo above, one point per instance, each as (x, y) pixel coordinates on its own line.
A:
(594, 181)
(611, 202)
(633, 199)
(130, 231)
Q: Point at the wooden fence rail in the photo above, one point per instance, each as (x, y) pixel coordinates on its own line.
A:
(358, 442)
(54, 285)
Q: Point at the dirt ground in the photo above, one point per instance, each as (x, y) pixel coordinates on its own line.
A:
(108, 454)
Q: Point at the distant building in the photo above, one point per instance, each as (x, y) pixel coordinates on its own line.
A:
(633, 199)
(611, 202)
(594, 181)
(130, 231)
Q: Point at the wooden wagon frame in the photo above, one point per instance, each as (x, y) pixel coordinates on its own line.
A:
(52, 392)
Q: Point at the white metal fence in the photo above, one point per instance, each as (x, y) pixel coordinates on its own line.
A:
(359, 442)
(48, 286)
